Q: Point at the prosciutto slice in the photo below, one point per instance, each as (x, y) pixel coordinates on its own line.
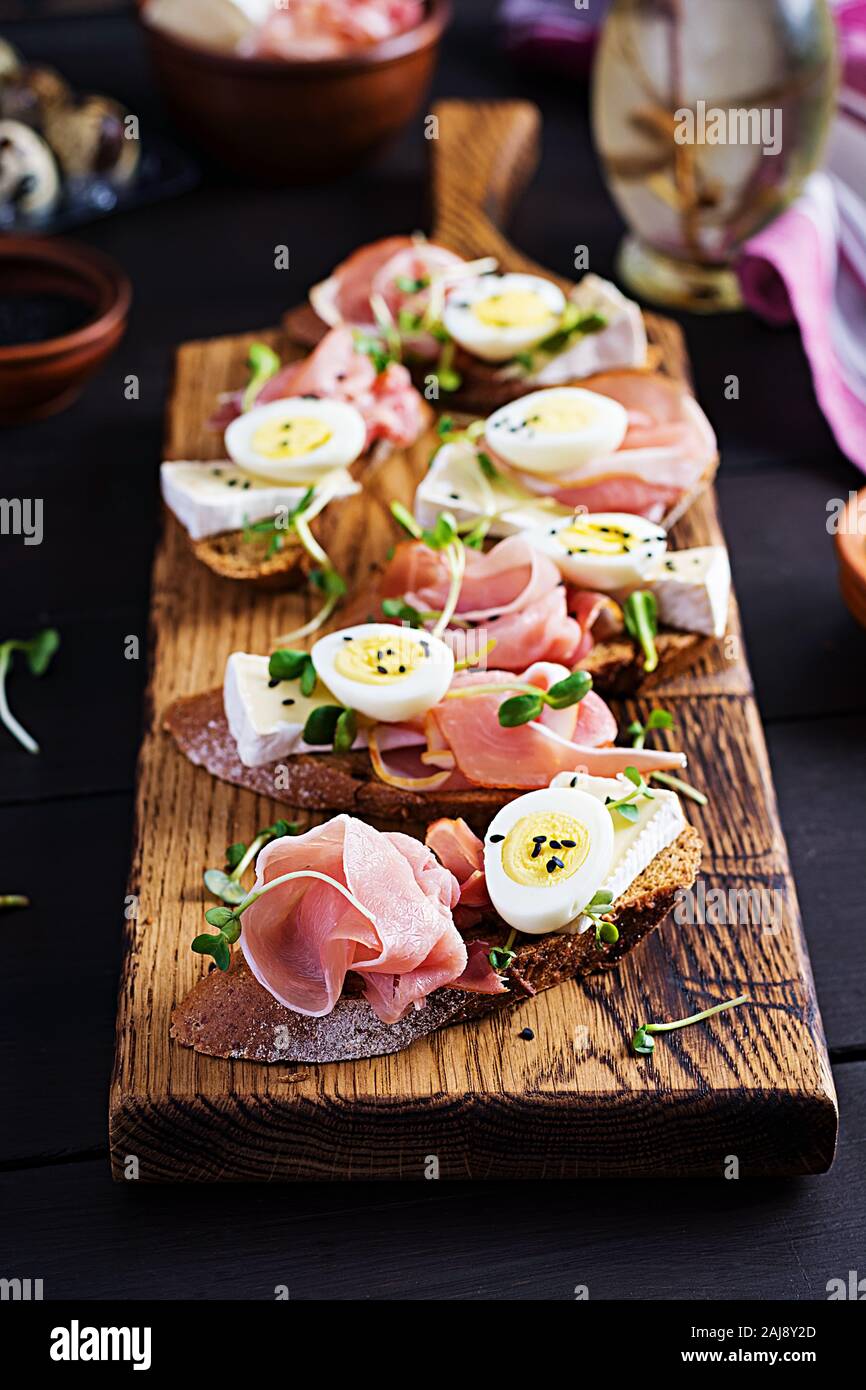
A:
(668, 447)
(335, 370)
(393, 925)
(384, 268)
(513, 591)
(531, 755)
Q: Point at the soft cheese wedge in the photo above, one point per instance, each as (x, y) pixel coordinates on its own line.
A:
(693, 589)
(213, 497)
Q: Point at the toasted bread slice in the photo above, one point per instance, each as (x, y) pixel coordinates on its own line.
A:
(317, 781)
(232, 556)
(232, 1015)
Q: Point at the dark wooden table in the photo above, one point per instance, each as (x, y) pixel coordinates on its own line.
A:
(204, 264)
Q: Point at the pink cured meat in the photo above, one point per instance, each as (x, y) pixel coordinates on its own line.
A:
(316, 29)
(513, 591)
(530, 755)
(301, 938)
(345, 297)
(669, 445)
(391, 407)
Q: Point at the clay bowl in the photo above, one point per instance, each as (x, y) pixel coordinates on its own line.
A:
(81, 296)
(851, 553)
(296, 122)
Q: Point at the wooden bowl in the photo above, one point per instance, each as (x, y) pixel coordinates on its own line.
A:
(299, 121)
(851, 552)
(40, 377)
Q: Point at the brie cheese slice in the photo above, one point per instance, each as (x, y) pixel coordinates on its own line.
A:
(457, 483)
(693, 589)
(209, 498)
(635, 843)
(267, 720)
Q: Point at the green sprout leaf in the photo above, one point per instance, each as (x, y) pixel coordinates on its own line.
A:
(329, 581)
(263, 363)
(569, 691)
(402, 515)
(321, 724)
(219, 916)
(640, 614)
(644, 1043)
(223, 886)
(38, 652)
(308, 678)
(443, 532)
(287, 664)
(488, 467)
(520, 709)
(345, 731)
(657, 719)
(216, 946)
(401, 610)
(234, 855)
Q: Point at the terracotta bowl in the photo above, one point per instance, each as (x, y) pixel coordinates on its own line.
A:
(40, 377)
(851, 552)
(296, 122)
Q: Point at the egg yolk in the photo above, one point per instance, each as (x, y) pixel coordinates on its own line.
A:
(379, 660)
(561, 417)
(592, 538)
(542, 849)
(291, 438)
(513, 309)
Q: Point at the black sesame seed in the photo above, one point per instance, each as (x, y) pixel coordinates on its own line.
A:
(346, 637)
(290, 701)
(527, 1034)
(495, 839)
(535, 853)
(554, 844)
(553, 863)
(539, 839)
(574, 781)
(275, 680)
(568, 844)
(233, 482)
(383, 670)
(402, 670)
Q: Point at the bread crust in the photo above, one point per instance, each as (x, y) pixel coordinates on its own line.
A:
(231, 1015)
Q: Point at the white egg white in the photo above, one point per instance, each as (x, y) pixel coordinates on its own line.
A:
(341, 424)
(551, 906)
(470, 315)
(555, 431)
(400, 696)
(606, 551)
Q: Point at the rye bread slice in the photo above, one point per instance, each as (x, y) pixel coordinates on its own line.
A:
(232, 1015)
(232, 556)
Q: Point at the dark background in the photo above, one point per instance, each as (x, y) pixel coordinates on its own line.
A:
(202, 264)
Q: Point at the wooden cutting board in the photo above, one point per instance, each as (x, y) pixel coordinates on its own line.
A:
(753, 1087)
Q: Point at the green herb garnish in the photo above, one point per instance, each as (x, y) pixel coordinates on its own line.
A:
(263, 363)
(657, 719)
(523, 708)
(643, 1041)
(38, 652)
(226, 883)
(401, 610)
(321, 725)
(625, 805)
(598, 910)
(640, 614)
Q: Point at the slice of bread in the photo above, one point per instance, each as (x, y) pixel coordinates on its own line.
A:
(316, 781)
(232, 1015)
(232, 556)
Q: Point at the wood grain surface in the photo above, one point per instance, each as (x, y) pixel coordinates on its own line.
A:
(754, 1085)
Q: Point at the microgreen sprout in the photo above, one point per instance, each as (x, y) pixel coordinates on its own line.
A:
(643, 1041)
(640, 614)
(38, 652)
(442, 536)
(678, 785)
(403, 612)
(598, 911)
(263, 363)
(331, 724)
(625, 805)
(523, 708)
(500, 957)
(657, 719)
(226, 883)
(13, 900)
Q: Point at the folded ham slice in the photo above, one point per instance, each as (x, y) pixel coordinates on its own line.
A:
(336, 370)
(513, 592)
(393, 925)
(669, 446)
(530, 756)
